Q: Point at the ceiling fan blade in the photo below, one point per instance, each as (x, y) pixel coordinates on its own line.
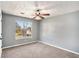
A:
(45, 14)
(34, 17)
(41, 17)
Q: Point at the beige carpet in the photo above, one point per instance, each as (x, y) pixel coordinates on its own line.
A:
(36, 50)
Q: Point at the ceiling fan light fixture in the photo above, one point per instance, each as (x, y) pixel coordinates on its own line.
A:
(37, 17)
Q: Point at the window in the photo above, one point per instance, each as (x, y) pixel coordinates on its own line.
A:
(23, 29)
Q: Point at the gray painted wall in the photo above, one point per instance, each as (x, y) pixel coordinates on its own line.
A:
(61, 31)
(8, 30)
(0, 23)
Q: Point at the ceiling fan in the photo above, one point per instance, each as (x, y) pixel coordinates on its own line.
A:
(38, 14)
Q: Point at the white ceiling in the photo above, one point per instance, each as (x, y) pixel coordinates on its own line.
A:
(28, 7)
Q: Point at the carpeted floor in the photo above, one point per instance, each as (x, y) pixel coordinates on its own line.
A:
(36, 50)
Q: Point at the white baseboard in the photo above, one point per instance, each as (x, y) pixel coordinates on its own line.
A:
(18, 45)
(59, 47)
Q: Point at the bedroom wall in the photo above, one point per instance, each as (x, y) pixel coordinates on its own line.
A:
(61, 31)
(0, 23)
(8, 30)
(0, 33)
